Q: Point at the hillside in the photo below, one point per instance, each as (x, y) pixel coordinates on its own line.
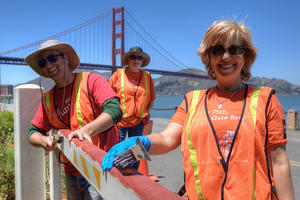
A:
(171, 85)
(168, 85)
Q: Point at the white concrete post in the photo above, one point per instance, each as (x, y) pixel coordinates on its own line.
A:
(292, 120)
(29, 160)
(55, 175)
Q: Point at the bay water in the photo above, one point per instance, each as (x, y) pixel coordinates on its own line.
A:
(164, 105)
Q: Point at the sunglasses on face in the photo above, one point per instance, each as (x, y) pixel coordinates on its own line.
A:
(233, 50)
(52, 58)
(133, 57)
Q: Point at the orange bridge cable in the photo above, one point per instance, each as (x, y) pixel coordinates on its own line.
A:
(152, 46)
(106, 13)
(153, 39)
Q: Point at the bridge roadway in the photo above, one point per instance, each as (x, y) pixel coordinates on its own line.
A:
(169, 167)
(91, 66)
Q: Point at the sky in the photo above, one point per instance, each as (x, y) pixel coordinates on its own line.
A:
(178, 26)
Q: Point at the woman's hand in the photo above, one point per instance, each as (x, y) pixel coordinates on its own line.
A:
(121, 147)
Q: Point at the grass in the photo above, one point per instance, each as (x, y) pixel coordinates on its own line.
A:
(7, 166)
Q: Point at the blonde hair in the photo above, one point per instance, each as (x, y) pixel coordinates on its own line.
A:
(228, 32)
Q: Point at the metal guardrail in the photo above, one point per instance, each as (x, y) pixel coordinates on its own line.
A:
(125, 184)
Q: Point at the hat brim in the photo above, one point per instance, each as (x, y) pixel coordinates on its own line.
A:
(33, 58)
(146, 58)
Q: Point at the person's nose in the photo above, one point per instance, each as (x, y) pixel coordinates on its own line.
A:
(48, 64)
(226, 55)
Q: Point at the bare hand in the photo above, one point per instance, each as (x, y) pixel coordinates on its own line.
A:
(48, 143)
(81, 135)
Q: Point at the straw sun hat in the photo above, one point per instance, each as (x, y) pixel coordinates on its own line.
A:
(33, 59)
(138, 51)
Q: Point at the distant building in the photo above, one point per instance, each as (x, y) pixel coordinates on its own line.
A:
(6, 93)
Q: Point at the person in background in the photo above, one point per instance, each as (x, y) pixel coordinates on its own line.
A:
(82, 102)
(136, 91)
(232, 135)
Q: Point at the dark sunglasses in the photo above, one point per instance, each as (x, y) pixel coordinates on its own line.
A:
(133, 57)
(234, 50)
(50, 58)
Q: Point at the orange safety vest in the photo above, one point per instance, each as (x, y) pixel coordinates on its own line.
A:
(134, 103)
(81, 112)
(247, 173)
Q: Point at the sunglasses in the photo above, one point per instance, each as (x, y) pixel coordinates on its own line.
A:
(133, 57)
(233, 50)
(52, 58)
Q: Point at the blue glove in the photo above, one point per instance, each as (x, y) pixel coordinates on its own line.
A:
(119, 148)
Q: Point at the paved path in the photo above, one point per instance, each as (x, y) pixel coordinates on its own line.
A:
(169, 167)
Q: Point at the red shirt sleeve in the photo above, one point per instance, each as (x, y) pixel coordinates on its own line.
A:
(41, 120)
(100, 90)
(276, 123)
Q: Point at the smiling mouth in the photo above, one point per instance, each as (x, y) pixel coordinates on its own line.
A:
(226, 66)
(136, 64)
(53, 72)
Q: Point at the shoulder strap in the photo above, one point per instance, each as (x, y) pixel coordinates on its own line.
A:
(189, 93)
(186, 104)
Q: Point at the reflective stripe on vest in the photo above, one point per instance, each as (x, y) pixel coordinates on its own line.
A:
(123, 93)
(48, 105)
(195, 99)
(147, 92)
(253, 107)
(253, 104)
(78, 111)
(190, 143)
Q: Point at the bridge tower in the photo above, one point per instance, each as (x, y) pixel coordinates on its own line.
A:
(117, 37)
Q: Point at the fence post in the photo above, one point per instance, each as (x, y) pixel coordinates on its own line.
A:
(55, 174)
(292, 120)
(29, 160)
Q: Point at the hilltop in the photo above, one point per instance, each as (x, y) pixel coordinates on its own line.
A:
(171, 85)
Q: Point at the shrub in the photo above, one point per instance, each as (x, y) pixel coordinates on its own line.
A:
(7, 168)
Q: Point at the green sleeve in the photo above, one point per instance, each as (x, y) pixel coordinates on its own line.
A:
(33, 129)
(112, 107)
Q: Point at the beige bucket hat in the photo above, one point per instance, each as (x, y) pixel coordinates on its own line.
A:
(33, 59)
(138, 51)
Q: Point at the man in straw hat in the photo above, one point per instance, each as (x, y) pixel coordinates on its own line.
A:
(136, 91)
(98, 107)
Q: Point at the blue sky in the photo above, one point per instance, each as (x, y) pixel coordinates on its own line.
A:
(178, 26)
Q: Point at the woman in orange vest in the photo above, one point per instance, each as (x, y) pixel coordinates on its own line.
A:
(232, 135)
(82, 102)
(135, 89)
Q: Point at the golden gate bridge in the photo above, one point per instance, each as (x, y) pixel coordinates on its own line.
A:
(101, 41)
